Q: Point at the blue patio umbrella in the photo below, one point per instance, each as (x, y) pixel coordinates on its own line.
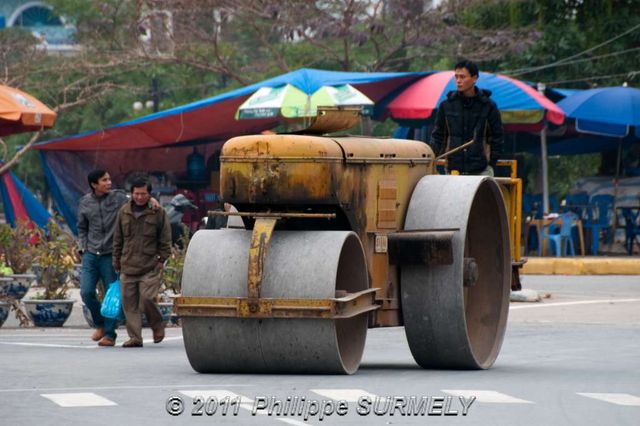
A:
(612, 112)
(606, 111)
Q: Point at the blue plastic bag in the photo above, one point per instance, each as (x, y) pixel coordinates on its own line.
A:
(112, 303)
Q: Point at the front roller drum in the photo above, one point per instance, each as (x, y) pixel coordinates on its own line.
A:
(455, 315)
(298, 265)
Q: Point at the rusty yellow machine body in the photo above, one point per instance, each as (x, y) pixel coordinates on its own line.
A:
(343, 234)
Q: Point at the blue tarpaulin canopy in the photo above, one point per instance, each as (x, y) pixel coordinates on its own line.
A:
(20, 205)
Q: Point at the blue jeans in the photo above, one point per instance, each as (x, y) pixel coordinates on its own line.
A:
(94, 267)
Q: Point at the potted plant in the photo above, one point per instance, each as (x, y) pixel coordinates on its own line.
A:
(17, 251)
(172, 276)
(51, 307)
(17, 247)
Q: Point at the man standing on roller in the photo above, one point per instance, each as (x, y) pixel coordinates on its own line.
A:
(468, 114)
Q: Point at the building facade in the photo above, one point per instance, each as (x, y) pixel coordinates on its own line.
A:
(52, 31)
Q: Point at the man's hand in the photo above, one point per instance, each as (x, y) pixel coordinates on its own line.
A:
(155, 205)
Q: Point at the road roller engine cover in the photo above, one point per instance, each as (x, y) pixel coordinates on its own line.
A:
(344, 234)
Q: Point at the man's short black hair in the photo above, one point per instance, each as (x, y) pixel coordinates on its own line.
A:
(140, 181)
(470, 66)
(94, 176)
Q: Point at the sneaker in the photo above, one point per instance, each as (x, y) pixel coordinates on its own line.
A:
(131, 343)
(106, 341)
(98, 334)
(158, 335)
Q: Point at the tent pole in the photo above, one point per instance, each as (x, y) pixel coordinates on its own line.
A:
(615, 194)
(545, 171)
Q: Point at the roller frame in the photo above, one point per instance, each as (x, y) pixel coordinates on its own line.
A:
(239, 307)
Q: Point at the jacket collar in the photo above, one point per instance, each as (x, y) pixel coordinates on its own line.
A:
(128, 208)
(481, 94)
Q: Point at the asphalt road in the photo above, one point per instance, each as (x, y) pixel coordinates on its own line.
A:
(572, 359)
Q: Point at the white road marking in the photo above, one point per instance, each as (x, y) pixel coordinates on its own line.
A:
(50, 345)
(115, 388)
(246, 403)
(349, 395)
(150, 341)
(91, 345)
(582, 302)
(218, 394)
(78, 399)
(614, 398)
(487, 396)
(46, 336)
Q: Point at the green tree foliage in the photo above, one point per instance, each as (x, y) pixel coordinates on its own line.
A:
(195, 49)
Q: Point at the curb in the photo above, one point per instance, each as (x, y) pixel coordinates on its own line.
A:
(582, 266)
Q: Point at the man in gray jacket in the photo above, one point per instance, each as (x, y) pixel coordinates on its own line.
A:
(97, 213)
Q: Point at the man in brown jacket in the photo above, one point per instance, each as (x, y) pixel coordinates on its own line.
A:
(141, 244)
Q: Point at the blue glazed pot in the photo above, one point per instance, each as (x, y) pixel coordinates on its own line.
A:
(87, 316)
(89, 319)
(15, 286)
(4, 311)
(165, 309)
(48, 313)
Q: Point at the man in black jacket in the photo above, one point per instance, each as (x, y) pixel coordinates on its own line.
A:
(468, 114)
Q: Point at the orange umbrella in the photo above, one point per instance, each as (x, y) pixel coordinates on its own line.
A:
(21, 112)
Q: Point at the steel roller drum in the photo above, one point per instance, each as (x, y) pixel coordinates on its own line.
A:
(450, 324)
(299, 264)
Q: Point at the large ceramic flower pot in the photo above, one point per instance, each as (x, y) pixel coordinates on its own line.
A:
(4, 311)
(86, 313)
(15, 286)
(48, 313)
(165, 309)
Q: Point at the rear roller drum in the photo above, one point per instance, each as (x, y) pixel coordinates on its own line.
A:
(299, 264)
(455, 315)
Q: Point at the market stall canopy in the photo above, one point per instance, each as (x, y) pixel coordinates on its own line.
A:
(212, 119)
(290, 102)
(519, 104)
(162, 141)
(21, 112)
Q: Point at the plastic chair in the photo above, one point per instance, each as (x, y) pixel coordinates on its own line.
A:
(559, 232)
(631, 228)
(577, 203)
(599, 214)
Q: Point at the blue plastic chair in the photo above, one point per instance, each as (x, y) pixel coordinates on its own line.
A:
(631, 228)
(559, 232)
(577, 203)
(599, 215)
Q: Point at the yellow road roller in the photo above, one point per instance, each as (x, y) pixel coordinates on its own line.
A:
(342, 234)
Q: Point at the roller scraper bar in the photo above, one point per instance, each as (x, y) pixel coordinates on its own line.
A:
(347, 305)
